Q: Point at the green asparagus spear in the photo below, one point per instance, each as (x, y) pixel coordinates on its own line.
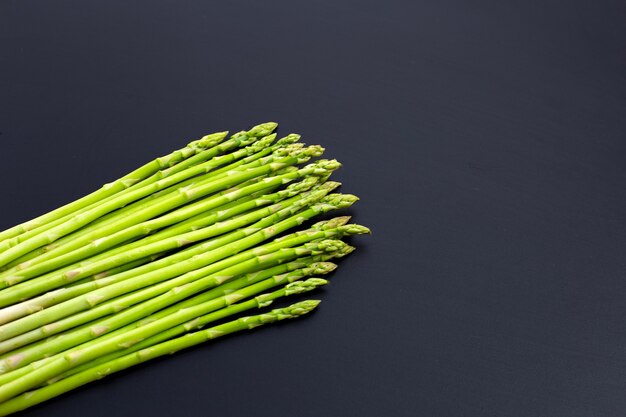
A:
(34, 397)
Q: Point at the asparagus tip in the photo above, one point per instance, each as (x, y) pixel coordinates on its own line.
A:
(261, 144)
(209, 140)
(355, 229)
(321, 268)
(338, 201)
(263, 129)
(289, 139)
(299, 287)
(332, 223)
(301, 308)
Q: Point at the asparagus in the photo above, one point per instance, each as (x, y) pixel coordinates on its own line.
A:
(263, 300)
(321, 167)
(211, 147)
(289, 272)
(119, 200)
(24, 357)
(253, 161)
(109, 219)
(31, 398)
(34, 257)
(131, 251)
(34, 306)
(42, 284)
(206, 172)
(123, 199)
(179, 314)
(189, 283)
(188, 244)
(186, 287)
(119, 184)
(239, 139)
(150, 180)
(215, 250)
(122, 255)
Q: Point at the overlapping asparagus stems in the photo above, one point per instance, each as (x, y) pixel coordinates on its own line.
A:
(190, 232)
(28, 259)
(15, 293)
(183, 196)
(39, 321)
(115, 190)
(287, 272)
(206, 172)
(118, 276)
(165, 348)
(120, 184)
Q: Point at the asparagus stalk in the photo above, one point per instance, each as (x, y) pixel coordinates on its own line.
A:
(150, 180)
(122, 255)
(34, 397)
(46, 283)
(138, 249)
(321, 167)
(122, 199)
(263, 300)
(108, 205)
(119, 184)
(207, 172)
(187, 286)
(239, 139)
(214, 148)
(185, 314)
(34, 257)
(253, 161)
(239, 240)
(105, 221)
(290, 271)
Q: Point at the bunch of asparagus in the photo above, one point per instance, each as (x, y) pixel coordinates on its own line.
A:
(162, 258)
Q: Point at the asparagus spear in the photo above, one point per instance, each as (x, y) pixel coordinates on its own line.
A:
(152, 298)
(34, 397)
(253, 161)
(122, 254)
(321, 167)
(206, 149)
(117, 185)
(187, 315)
(40, 285)
(131, 251)
(290, 271)
(263, 300)
(222, 272)
(34, 257)
(120, 200)
(104, 222)
(32, 240)
(216, 250)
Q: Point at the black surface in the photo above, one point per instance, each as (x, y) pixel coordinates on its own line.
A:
(485, 138)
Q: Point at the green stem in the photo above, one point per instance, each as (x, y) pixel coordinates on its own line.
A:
(45, 283)
(135, 251)
(152, 300)
(260, 301)
(183, 196)
(104, 222)
(216, 251)
(116, 186)
(120, 200)
(291, 271)
(35, 397)
(121, 254)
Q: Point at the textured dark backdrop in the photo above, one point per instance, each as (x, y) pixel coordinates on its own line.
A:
(485, 138)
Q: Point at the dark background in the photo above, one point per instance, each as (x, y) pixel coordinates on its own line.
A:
(485, 138)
